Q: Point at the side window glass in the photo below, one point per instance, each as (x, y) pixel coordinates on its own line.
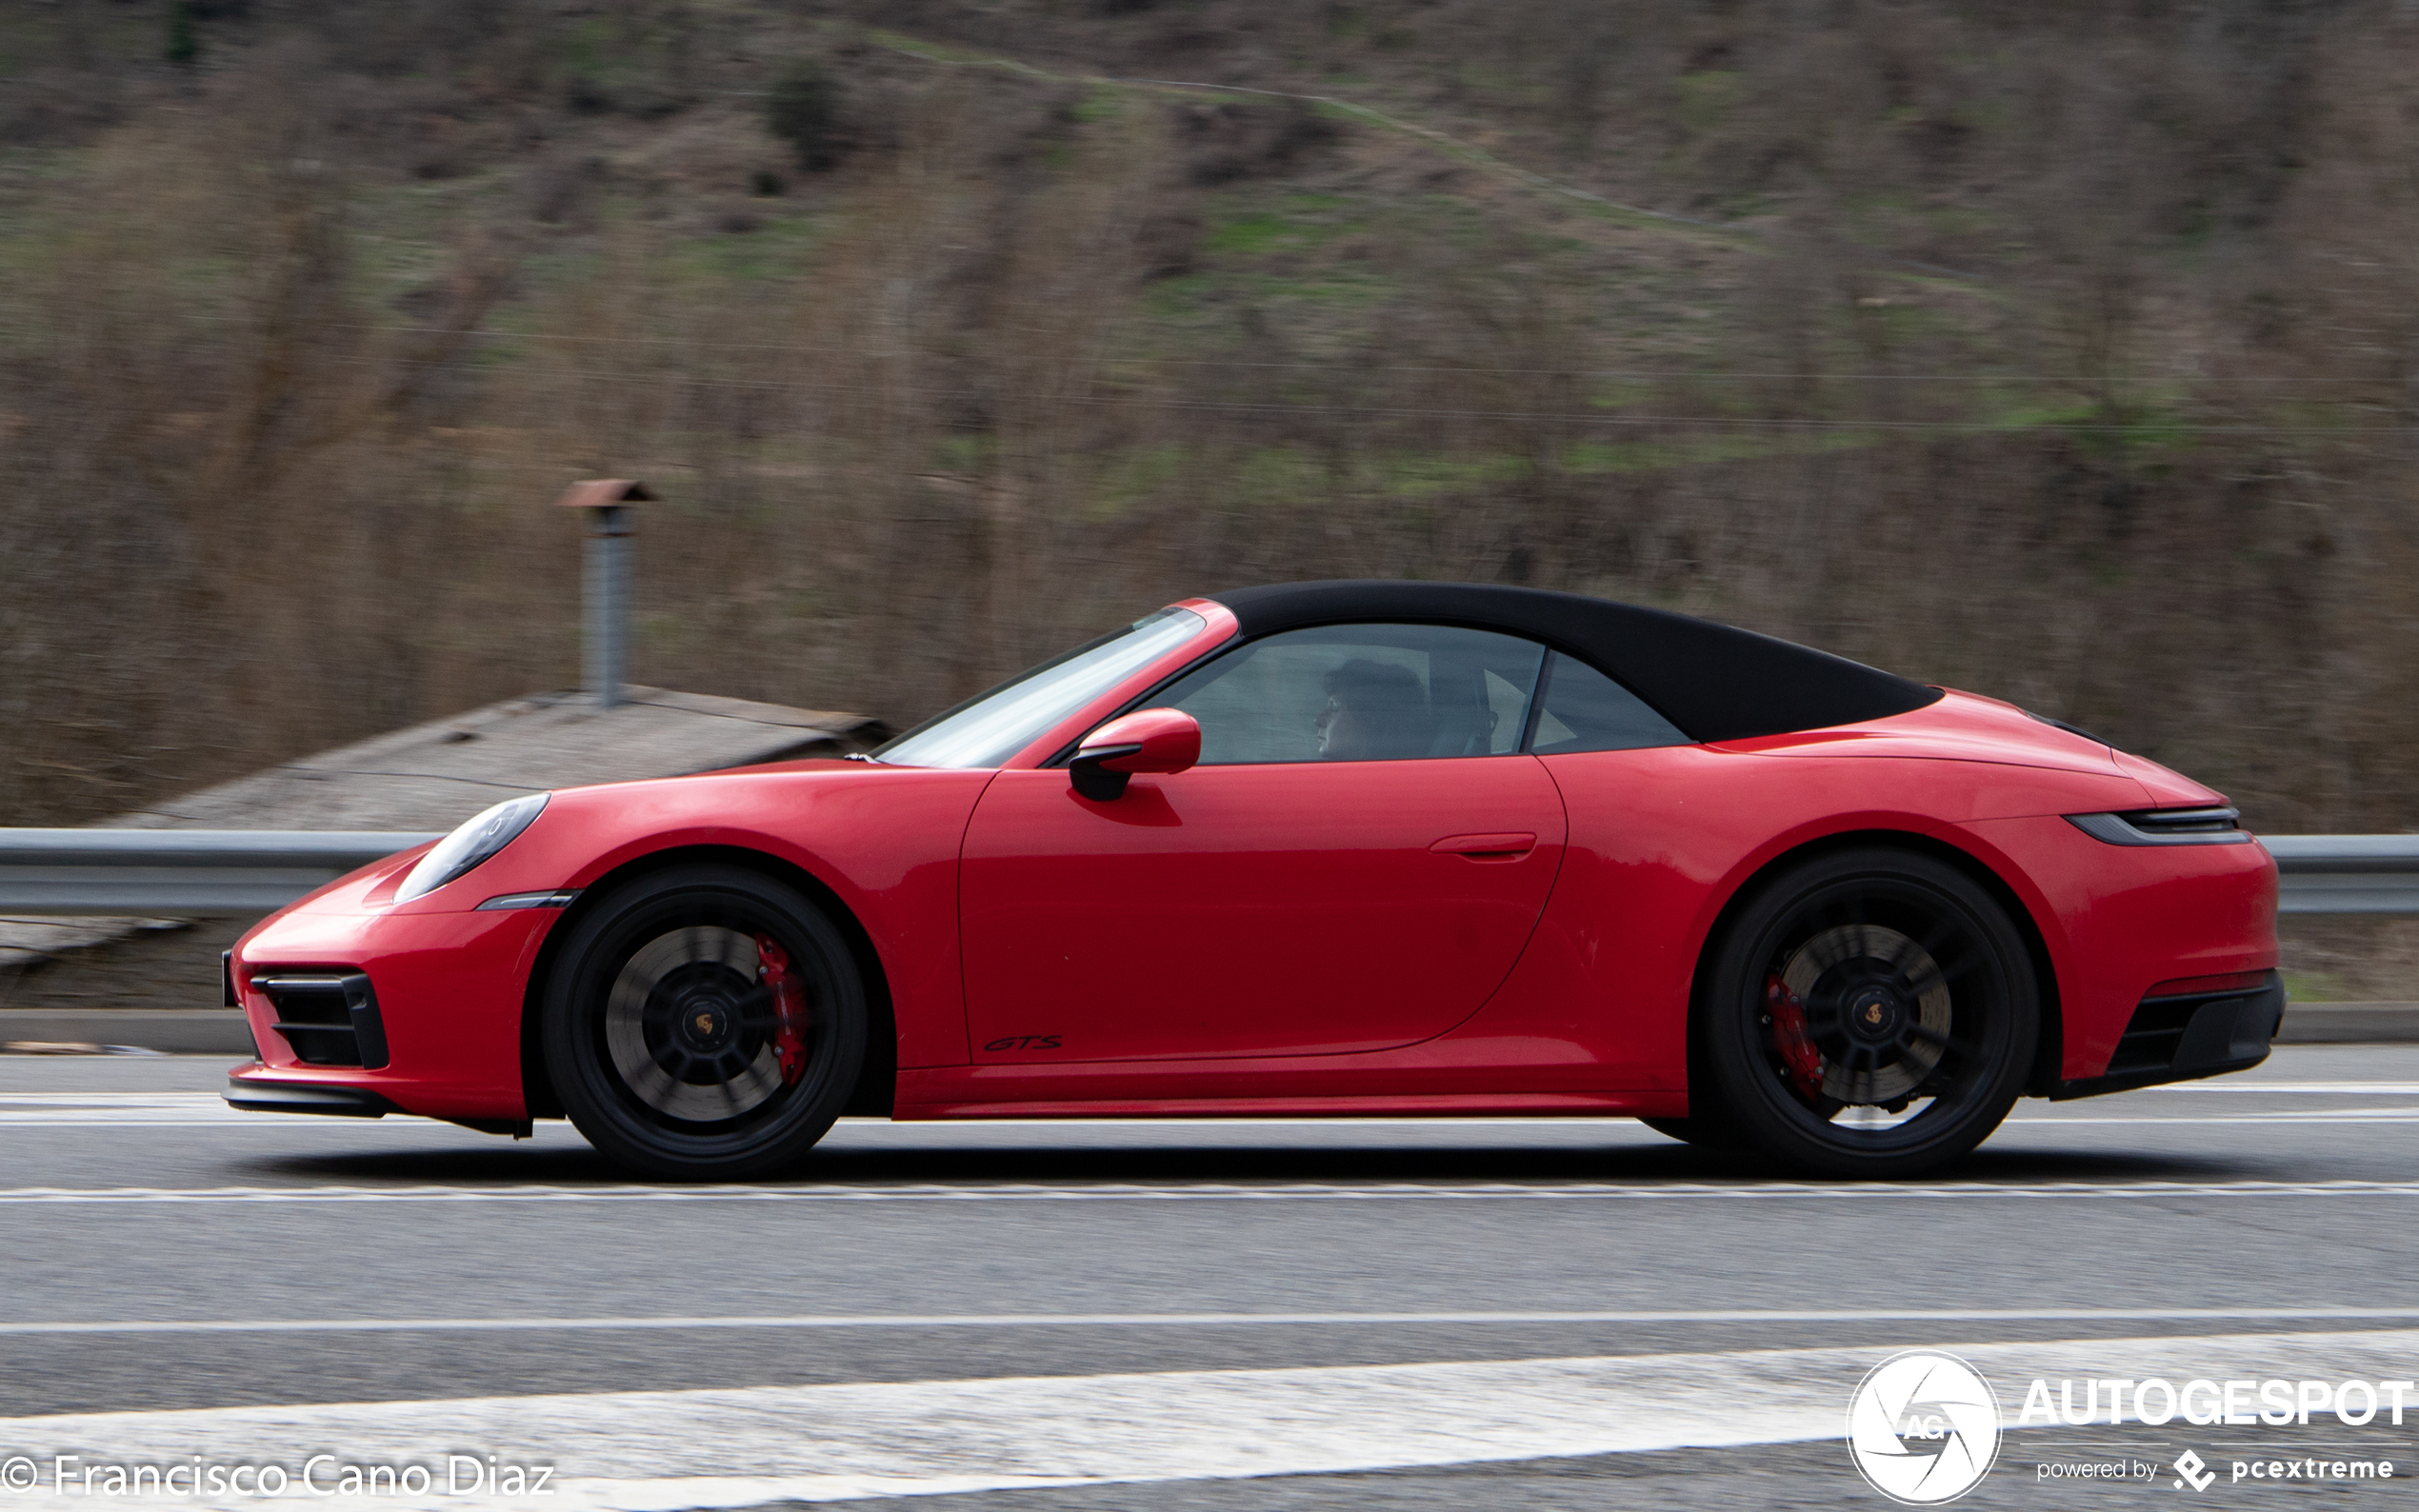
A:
(1362, 692)
(1583, 709)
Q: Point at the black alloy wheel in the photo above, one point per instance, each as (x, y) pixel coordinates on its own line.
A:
(704, 1023)
(1871, 1014)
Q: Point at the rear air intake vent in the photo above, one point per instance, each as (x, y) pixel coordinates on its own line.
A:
(329, 1018)
(2198, 1027)
(2150, 1039)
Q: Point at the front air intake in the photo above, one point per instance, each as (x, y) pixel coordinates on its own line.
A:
(329, 1018)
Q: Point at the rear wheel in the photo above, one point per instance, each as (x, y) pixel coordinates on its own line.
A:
(704, 1024)
(1870, 1013)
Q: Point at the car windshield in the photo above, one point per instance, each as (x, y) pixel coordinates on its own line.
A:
(989, 730)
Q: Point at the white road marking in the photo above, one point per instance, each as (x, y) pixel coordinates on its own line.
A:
(2298, 1115)
(2330, 1088)
(207, 1111)
(212, 1101)
(232, 1123)
(669, 1451)
(187, 1109)
(1213, 1192)
(1772, 1317)
(257, 1124)
(129, 1109)
(110, 1099)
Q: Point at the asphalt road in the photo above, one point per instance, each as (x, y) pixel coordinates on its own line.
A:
(1266, 1314)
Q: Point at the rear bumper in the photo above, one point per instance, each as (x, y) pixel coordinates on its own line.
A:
(2121, 923)
(2188, 1036)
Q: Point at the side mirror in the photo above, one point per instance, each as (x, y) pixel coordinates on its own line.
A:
(1150, 740)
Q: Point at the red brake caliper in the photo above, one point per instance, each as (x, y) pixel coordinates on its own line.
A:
(1804, 1062)
(788, 1007)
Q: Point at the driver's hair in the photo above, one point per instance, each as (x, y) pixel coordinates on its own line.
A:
(1387, 701)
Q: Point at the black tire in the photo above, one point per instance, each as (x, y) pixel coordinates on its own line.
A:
(663, 1029)
(1705, 1134)
(1869, 1014)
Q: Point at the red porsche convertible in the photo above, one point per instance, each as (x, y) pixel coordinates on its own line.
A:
(1353, 847)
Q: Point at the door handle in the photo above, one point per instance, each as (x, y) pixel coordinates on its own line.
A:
(1500, 847)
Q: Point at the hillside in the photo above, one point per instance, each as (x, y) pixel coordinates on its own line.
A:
(2068, 353)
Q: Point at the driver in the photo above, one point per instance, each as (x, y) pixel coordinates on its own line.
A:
(1375, 711)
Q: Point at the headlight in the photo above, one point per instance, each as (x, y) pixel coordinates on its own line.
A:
(465, 847)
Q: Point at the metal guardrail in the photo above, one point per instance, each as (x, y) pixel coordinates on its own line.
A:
(2346, 873)
(178, 873)
(252, 871)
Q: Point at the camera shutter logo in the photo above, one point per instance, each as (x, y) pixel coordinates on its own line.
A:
(1922, 1428)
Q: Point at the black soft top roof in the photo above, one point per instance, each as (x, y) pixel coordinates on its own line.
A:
(1714, 682)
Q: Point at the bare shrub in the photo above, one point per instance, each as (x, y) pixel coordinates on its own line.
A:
(804, 110)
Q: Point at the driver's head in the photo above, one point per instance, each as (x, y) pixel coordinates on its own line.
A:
(1375, 711)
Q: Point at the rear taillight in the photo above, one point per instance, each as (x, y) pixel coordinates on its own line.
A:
(2206, 824)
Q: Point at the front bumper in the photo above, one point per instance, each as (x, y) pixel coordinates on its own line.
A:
(255, 1095)
(301, 1097)
(444, 991)
(2185, 1036)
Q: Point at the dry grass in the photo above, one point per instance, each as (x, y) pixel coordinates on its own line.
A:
(299, 343)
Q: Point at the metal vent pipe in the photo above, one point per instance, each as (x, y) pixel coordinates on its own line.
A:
(605, 588)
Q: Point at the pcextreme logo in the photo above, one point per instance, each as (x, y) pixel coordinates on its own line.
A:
(2191, 1467)
(1922, 1428)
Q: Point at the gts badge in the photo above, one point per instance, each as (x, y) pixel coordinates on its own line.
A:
(1025, 1042)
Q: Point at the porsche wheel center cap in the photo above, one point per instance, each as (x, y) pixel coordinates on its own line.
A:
(704, 1025)
(1874, 1016)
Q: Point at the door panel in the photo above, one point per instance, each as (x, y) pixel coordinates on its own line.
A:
(1280, 909)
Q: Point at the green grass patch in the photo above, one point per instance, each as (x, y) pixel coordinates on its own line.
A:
(1103, 102)
(1424, 475)
(2315, 986)
(781, 247)
(1598, 458)
(962, 455)
(1707, 98)
(1278, 475)
(1132, 477)
(2041, 416)
(1250, 236)
(1296, 223)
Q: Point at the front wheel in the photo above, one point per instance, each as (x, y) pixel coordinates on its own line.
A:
(1870, 1013)
(704, 1023)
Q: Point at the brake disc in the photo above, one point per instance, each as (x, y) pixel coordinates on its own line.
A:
(701, 1072)
(1871, 951)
